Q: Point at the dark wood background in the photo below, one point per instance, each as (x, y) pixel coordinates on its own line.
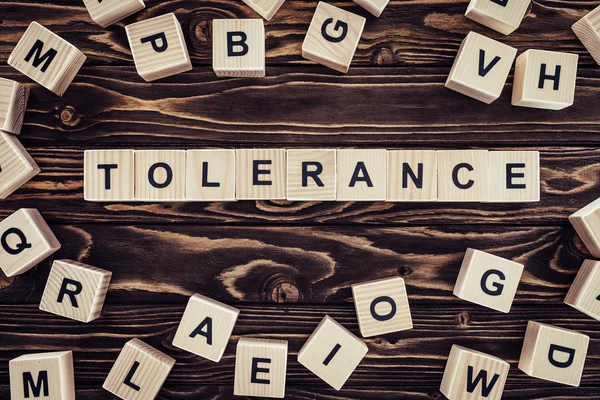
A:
(285, 265)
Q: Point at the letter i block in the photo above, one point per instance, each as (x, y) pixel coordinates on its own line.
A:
(13, 102)
(516, 176)
(16, 165)
(587, 30)
(239, 48)
(139, 372)
(260, 368)
(587, 225)
(210, 175)
(266, 8)
(412, 175)
(584, 294)
(553, 354)
(332, 353)
(375, 7)
(205, 327)
(158, 47)
(107, 12)
(472, 375)
(260, 174)
(503, 16)
(333, 37)
(361, 175)
(311, 175)
(108, 175)
(160, 175)
(463, 175)
(46, 58)
(42, 376)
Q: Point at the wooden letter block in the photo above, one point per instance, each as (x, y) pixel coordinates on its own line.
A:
(361, 175)
(481, 67)
(375, 7)
(332, 353)
(412, 175)
(107, 12)
(488, 280)
(463, 175)
(516, 176)
(13, 102)
(587, 224)
(382, 306)
(16, 165)
(158, 47)
(75, 290)
(545, 79)
(108, 175)
(553, 354)
(260, 367)
(472, 375)
(503, 16)
(205, 327)
(139, 372)
(42, 376)
(160, 175)
(311, 175)
(239, 48)
(265, 8)
(46, 58)
(26, 240)
(260, 174)
(333, 37)
(210, 175)
(584, 294)
(587, 30)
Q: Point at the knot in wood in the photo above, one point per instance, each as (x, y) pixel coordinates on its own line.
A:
(69, 116)
(463, 319)
(405, 271)
(282, 290)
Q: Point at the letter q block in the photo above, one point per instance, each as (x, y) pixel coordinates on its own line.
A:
(239, 48)
(260, 368)
(108, 175)
(13, 102)
(107, 12)
(584, 294)
(503, 16)
(42, 376)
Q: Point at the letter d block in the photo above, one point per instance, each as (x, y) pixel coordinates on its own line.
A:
(587, 225)
(584, 294)
(16, 165)
(260, 174)
(463, 175)
(160, 175)
(553, 354)
(13, 102)
(107, 12)
(239, 48)
(42, 376)
(108, 175)
(260, 368)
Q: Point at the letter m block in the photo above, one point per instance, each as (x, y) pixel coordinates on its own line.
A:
(42, 376)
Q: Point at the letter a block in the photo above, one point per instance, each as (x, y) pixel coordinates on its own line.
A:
(587, 224)
(46, 58)
(42, 376)
(333, 37)
(553, 354)
(311, 175)
(13, 102)
(108, 175)
(587, 30)
(205, 327)
(210, 175)
(16, 165)
(584, 294)
(107, 12)
(412, 175)
(260, 368)
(361, 175)
(266, 8)
(463, 175)
(260, 174)
(239, 48)
(516, 176)
(503, 16)
(160, 175)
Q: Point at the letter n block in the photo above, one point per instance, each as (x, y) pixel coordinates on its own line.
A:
(412, 175)
(265, 8)
(584, 294)
(107, 12)
(46, 58)
(311, 175)
(463, 175)
(16, 165)
(260, 368)
(586, 222)
(361, 175)
(13, 102)
(260, 174)
(553, 354)
(587, 30)
(516, 176)
(42, 376)
(108, 175)
(210, 175)
(239, 48)
(160, 175)
(503, 16)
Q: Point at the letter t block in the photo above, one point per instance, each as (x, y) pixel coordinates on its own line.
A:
(260, 368)
(42, 376)
(108, 175)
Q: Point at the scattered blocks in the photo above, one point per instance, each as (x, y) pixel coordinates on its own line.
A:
(375, 7)
(412, 175)
(503, 16)
(160, 175)
(516, 176)
(587, 30)
(210, 175)
(265, 8)
(42, 375)
(362, 175)
(16, 165)
(586, 222)
(108, 175)
(260, 368)
(463, 175)
(584, 294)
(13, 102)
(107, 12)
(260, 174)
(311, 175)
(239, 48)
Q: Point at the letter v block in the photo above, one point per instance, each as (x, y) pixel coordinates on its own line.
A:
(503, 16)
(13, 102)
(16, 165)
(107, 12)
(584, 294)
(239, 48)
(42, 376)
(108, 175)
(260, 368)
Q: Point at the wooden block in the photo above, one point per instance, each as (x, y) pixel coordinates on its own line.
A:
(584, 294)
(46, 58)
(139, 372)
(332, 353)
(488, 280)
(16, 165)
(260, 174)
(586, 222)
(311, 175)
(107, 12)
(160, 175)
(516, 176)
(75, 290)
(265, 8)
(210, 175)
(13, 102)
(375, 7)
(553, 354)
(481, 67)
(503, 16)
(26, 240)
(382, 306)
(472, 375)
(545, 79)
(108, 175)
(463, 175)
(412, 175)
(361, 175)
(333, 37)
(239, 48)
(205, 327)
(158, 47)
(42, 376)
(260, 368)
(587, 30)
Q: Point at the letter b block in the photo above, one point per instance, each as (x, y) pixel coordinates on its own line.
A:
(260, 368)
(584, 294)
(42, 376)
(108, 175)
(239, 47)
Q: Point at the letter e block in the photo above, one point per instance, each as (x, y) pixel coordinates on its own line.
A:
(587, 30)
(503, 16)
(412, 175)
(42, 376)
(13, 102)
(311, 175)
(584, 294)
(239, 48)
(375, 7)
(210, 175)
(586, 222)
(516, 176)
(260, 174)
(107, 12)
(361, 175)
(265, 8)
(463, 175)
(260, 368)
(16, 165)
(160, 175)
(108, 175)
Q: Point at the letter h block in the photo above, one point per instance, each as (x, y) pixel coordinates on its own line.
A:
(12, 107)
(42, 376)
(584, 294)
(239, 48)
(260, 368)
(108, 175)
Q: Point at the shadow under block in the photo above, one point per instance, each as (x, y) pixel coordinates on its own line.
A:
(311, 174)
(472, 375)
(108, 175)
(16, 165)
(75, 290)
(265, 8)
(205, 328)
(545, 79)
(46, 58)
(481, 68)
(260, 174)
(260, 368)
(375, 7)
(503, 16)
(553, 354)
(463, 175)
(13, 102)
(42, 376)
(210, 175)
(160, 175)
(586, 222)
(239, 48)
(139, 372)
(158, 47)
(332, 353)
(516, 176)
(587, 30)
(382, 306)
(107, 12)
(333, 37)
(584, 294)
(361, 175)
(412, 175)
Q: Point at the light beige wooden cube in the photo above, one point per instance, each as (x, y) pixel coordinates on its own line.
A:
(463, 175)
(25, 240)
(587, 30)
(139, 372)
(108, 175)
(42, 376)
(160, 175)
(311, 174)
(503, 16)
(260, 368)
(332, 353)
(13, 102)
(333, 37)
(239, 48)
(46, 58)
(158, 47)
(375, 7)
(412, 175)
(481, 67)
(545, 79)
(553, 354)
(516, 176)
(382, 306)
(361, 175)
(107, 12)
(472, 375)
(265, 8)
(260, 174)
(16, 165)
(584, 294)
(75, 290)
(210, 175)
(586, 222)
(205, 327)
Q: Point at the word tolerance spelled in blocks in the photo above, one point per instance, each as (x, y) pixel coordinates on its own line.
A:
(109, 175)
(503, 16)
(16, 165)
(584, 294)
(412, 175)
(107, 12)
(587, 224)
(13, 102)
(239, 48)
(266, 8)
(587, 30)
(160, 175)
(260, 368)
(42, 376)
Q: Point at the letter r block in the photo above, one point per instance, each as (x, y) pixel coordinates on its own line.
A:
(311, 174)
(107, 12)
(503, 16)
(260, 368)
(108, 175)
(42, 376)
(239, 48)
(584, 294)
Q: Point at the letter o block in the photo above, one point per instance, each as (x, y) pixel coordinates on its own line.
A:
(260, 368)
(160, 175)
(239, 48)
(42, 376)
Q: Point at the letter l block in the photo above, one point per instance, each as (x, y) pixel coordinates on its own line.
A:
(239, 48)
(260, 368)
(42, 376)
